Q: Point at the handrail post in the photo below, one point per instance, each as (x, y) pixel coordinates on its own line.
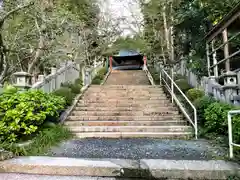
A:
(230, 138)
(160, 75)
(172, 87)
(196, 124)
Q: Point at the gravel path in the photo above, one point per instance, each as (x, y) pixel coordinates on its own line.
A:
(138, 149)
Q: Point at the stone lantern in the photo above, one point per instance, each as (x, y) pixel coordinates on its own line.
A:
(23, 80)
(230, 85)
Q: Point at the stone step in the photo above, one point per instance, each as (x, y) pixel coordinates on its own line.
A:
(141, 91)
(78, 129)
(124, 95)
(145, 109)
(126, 123)
(117, 168)
(125, 86)
(125, 99)
(122, 113)
(125, 118)
(125, 104)
(160, 135)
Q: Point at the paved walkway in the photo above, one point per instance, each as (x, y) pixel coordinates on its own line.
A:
(138, 149)
(14, 176)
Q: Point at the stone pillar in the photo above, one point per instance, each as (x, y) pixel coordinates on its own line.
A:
(144, 62)
(22, 80)
(41, 78)
(83, 75)
(87, 79)
(53, 70)
(110, 62)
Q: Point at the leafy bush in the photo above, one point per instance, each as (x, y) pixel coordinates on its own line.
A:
(100, 76)
(201, 104)
(22, 113)
(236, 129)
(78, 81)
(216, 118)
(67, 84)
(97, 80)
(66, 93)
(41, 143)
(75, 88)
(9, 89)
(102, 72)
(178, 76)
(183, 85)
(194, 94)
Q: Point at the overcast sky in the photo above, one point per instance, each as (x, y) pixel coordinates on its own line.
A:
(127, 9)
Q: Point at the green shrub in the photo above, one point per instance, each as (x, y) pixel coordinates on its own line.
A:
(97, 80)
(178, 76)
(78, 81)
(102, 71)
(67, 84)
(66, 93)
(194, 94)
(216, 118)
(9, 89)
(76, 88)
(201, 104)
(23, 112)
(236, 129)
(42, 142)
(183, 85)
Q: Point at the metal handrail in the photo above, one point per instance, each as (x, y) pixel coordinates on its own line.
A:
(174, 98)
(230, 130)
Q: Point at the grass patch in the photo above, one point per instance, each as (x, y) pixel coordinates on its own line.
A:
(41, 143)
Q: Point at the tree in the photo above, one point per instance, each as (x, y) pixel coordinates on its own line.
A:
(36, 35)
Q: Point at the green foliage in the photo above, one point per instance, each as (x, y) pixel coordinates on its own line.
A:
(201, 104)
(97, 80)
(100, 76)
(194, 94)
(102, 72)
(66, 93)
(22, 113)
(216, 118)
(236, 129)
(41, 143)
(178, 76)
(9, 89)
(78, 81)
(183, 85)
(75, 88)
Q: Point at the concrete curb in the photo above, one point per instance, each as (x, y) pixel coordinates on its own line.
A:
(145, 168)
(70, 108)
(150, 78)
(105, 78)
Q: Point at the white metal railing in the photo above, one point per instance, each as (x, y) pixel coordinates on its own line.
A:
(171, 89)
(230, 131)
(68, 73)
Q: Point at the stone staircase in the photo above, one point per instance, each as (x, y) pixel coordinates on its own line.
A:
(127, 111)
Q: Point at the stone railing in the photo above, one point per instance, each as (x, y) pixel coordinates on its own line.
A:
(89, 73)
(68, 73)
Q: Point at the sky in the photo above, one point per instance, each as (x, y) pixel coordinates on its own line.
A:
(127, 9)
